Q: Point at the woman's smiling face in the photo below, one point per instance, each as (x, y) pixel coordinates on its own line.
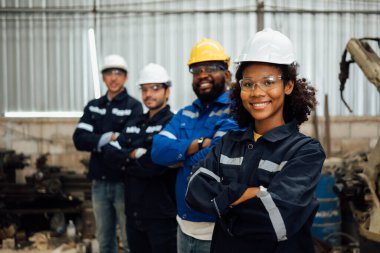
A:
(264, 94)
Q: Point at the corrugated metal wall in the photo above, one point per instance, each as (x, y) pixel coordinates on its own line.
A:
(45, 60)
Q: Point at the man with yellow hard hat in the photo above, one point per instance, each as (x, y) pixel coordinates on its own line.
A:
(190, 135)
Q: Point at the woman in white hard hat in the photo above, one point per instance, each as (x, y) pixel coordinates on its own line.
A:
(260, 182)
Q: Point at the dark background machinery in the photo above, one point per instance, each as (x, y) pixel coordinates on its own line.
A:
(50, 198)
(358, 174)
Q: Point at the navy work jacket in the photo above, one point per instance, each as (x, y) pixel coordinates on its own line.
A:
(149, 187)
(101, 116)
(285, 165)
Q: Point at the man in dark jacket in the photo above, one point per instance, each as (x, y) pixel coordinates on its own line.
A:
(102, 121)
(149, 188)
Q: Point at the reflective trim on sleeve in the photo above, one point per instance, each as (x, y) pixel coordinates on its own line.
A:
(274, 214)
(271, 166)
(207, 172)
(132, 129)
(216, 207)
(190, 114)
(230, 161)
(119, 112)
(116, 144)
(152, 129)
(219, 134)
(85, 126)
(220, 112)
(97, 110)
(168, 134)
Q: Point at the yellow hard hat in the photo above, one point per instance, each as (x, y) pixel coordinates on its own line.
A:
(208, 50)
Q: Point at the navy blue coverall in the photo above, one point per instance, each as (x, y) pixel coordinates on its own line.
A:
(285, 165)
(150, 203)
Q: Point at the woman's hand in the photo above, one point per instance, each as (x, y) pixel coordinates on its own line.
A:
(248, 194)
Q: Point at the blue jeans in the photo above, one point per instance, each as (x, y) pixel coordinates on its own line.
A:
(188, 244)
(108, 205)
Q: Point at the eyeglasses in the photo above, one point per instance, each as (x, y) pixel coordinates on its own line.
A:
(265, 83)
(116, 72)
(154, 87)
(208, 69)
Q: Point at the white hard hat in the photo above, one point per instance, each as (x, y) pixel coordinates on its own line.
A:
(114, 61)
(154, 73)
(268, 46)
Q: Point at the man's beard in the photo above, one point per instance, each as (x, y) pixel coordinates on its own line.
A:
(216, 90)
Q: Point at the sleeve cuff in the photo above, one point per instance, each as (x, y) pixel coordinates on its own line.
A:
(223, 202)
(183, 146)
(262, 192)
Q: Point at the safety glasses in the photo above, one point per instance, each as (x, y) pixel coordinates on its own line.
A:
(264, 83)
(207, 69)
(154, 87)
(116, 72)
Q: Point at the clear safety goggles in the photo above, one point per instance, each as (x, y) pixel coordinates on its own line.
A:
(153, 87)
(116, 72)
(264, 83)
(207, 69)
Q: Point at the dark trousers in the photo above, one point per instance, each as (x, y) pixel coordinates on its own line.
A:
(152, 235)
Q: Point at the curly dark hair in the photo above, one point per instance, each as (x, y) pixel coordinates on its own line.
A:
(298, 105)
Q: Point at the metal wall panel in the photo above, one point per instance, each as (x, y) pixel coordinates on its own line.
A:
(45, 61)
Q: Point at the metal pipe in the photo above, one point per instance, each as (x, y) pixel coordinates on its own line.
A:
(315, 124)
(260, 15)
(327, 127)
(94, 62)
(165, 11)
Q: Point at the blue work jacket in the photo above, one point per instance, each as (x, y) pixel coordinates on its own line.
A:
(285, 165)
(101, 116)
(170, 145)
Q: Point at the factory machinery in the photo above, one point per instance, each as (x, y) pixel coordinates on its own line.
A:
(46, 202)
(357, 176)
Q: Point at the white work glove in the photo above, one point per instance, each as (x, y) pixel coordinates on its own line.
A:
(140, 152)
(116, 144)
(104, 139)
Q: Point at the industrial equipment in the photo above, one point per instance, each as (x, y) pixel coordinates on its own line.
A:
(9, 162)
(50, 197)
(358, 184)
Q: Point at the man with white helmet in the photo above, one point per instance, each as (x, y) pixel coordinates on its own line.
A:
(190, 135)
(260, 181)
(102, 121)
(149, 188)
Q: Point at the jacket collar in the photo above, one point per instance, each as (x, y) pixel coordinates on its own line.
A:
(161, 114)
(121, 96)
(223, 99)
(276, 134)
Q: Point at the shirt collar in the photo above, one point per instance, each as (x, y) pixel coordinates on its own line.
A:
(223, 99)
(122, 95)
(276, 134)
(159, 115)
